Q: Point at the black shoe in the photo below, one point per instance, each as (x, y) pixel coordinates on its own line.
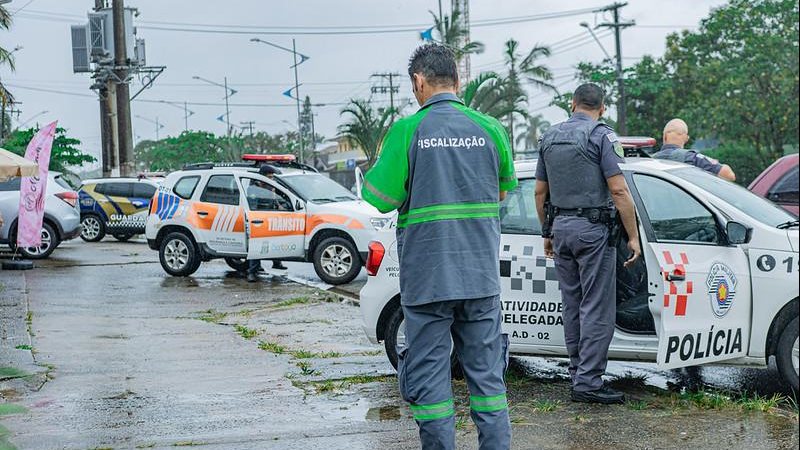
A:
(604, 395)
(252, 278)
(278, 266)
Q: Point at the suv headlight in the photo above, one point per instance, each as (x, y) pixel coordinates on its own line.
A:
(379, 222)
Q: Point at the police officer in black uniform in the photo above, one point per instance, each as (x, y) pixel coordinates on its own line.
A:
(578, 170)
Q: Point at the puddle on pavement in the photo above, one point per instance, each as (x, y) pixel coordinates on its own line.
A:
(385, 413)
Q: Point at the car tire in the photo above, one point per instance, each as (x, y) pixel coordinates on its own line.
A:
(391, 338)
(49, 243)
(123, 237)
(93, 229)
(178, 255)
(336, 261)
(237, 264)
(786, 355)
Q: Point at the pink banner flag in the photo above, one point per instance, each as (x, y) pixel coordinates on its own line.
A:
(33, 189)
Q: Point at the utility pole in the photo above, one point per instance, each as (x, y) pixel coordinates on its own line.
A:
(125, 136)
(622, 127)
(389, 88)
(249, 125)
(227, 108)
(105, 90)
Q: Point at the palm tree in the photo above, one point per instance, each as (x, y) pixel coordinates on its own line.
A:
(535, 125)
(366, 127)
(6, 58)
(523, 68)
(452, 34)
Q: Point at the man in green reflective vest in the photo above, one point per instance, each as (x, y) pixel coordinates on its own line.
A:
(445, 169)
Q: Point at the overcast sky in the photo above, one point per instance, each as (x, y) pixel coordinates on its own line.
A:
(339, 67)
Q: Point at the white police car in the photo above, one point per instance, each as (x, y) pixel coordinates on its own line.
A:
(718, 282)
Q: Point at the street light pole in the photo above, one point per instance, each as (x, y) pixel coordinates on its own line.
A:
(227, 108)
(297, 101)
(296, 88)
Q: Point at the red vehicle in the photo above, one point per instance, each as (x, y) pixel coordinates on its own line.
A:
(779, 183)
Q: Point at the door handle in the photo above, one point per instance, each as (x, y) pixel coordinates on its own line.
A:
(202, 213)
(676, 275)
(257, 221)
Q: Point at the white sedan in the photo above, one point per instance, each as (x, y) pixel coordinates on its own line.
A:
(718, 282)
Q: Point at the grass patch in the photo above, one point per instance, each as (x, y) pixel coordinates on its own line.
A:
(10, 408)
(23, 347)
(272, 347)
(292, 302)
(150, 445)
(305, 368)
(759, 403)
(247, 333)
(707, 400)
(305, 354)
(546, 405)
(340, 383)
(637, 405)
(187, 444)
(372, 353)
(12, 372)
(461, 422)
(326, 386)
(212, 316)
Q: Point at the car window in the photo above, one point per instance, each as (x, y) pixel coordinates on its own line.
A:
(61, 181)
(262, 196)
(185, 187)
(787, 188)
(674, 214)
(318, 188)
(221, 189)
(116, 189)
(143, 190)
(518, 210)
(749, 203)
(11, 185)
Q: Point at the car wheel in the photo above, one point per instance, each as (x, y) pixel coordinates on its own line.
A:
(788, 355)
(178, 255)
(237, 264)
(336, 261)
(49, 244)
(93, 229)
(394, 337)
(123, 237)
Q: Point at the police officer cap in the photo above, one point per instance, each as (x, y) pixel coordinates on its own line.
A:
(268, 170)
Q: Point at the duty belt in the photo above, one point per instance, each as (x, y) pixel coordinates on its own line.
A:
(594, 215)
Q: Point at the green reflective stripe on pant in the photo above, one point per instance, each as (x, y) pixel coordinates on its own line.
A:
(488, 404)
(433, 411)
(449, 211)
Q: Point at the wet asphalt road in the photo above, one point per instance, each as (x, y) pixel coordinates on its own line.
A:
(135, 358)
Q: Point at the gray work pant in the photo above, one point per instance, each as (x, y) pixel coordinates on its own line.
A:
(586, 270)
(424, 370)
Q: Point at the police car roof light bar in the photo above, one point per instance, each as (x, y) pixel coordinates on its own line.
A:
(275, 158)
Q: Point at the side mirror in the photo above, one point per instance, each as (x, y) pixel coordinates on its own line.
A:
(298, 206)
(738, 233)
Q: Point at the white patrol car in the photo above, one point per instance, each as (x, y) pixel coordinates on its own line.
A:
(718, 281)
(230, 211)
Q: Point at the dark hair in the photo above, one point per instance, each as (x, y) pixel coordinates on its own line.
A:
(436, 63)
(268, 170)
(589, 96)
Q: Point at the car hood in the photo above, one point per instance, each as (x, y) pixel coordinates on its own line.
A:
(353, 207)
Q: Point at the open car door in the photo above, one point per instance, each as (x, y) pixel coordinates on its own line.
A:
(702, 306)
(275, 230)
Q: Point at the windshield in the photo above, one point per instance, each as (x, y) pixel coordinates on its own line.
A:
(751, 204)
(317, 188)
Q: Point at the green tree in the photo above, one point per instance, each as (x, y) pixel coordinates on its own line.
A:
(6, 58)
(64, 155)
(366, 126)
(522, 67)
(485, 93)
(531, 129)
(450, 32)
(189, 147)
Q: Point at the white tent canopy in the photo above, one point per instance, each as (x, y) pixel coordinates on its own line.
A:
(12, 165)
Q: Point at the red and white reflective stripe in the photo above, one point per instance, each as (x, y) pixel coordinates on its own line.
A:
(671, 267)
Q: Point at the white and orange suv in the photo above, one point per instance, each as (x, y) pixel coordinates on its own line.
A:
(229, 210)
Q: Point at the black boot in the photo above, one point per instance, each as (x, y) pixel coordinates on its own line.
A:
(604, 395)
(278, 265)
